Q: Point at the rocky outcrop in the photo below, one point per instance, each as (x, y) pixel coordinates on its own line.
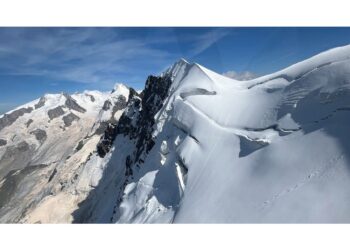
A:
(13, 150)
(92, 98)
(10, 118)
(137, 122)
(39, 134)
(69, 119)
(3, 142)
(120, 104)
(109, 129)
(41, 103)
(107, 140)
(107, 105)
(56, 112)
(132, 138)
(72, 104)
(30, 121)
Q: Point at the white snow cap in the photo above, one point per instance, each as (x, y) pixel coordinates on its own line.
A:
(121, 89)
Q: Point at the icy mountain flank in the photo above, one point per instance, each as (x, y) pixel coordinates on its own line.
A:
(217, 150)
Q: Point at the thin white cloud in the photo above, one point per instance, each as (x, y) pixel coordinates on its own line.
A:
(81, 55)
(241, 76)
(96, 56)
(206, 40)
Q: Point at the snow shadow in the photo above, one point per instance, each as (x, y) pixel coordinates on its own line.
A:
(329, 112)
(249, 146)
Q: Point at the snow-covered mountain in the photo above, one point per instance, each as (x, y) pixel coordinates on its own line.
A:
(193, 147)
(273, 149)
(44, 145)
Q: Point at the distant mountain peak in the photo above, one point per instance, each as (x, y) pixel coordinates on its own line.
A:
(120, 88)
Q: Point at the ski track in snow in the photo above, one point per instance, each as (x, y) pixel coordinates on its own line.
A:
(318, 173)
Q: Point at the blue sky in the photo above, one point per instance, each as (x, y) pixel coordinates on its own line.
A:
(35, 61)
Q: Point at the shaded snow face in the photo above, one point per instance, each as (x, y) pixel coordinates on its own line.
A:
(273, 149)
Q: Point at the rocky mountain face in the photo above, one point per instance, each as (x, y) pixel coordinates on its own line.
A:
(132, 139)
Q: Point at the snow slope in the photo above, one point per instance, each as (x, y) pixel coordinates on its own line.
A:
(273, 149)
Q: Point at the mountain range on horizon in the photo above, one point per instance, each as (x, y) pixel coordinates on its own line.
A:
(193, 146)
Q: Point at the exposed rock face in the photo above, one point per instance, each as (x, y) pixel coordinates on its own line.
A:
(127, 122)
(30, 121)
(110, 128)
(56, 112)
(10, 118)
(132, 139)
(156, 90)
(92, 98)
(102, 127)
(23, 146)
(138, 120)
(3, 142)
(41, 103)
(40, 135)
(68, 119)
(120, 104)
(72, 104)
(107, 140)
(107, 105)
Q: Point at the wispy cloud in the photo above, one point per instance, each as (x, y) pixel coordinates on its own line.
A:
(80, 55)
(206, 40)
(97, 56)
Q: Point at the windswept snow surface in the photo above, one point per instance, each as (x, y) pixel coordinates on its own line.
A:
(270, 150)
